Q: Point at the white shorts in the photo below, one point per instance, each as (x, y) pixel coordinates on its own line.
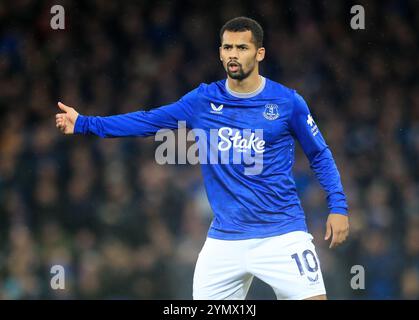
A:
(288, 263)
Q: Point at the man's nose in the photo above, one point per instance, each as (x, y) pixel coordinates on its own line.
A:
(233, 54)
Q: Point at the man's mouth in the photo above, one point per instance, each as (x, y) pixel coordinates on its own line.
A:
(233, 66)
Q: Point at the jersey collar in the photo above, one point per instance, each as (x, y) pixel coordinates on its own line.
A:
(247, 94)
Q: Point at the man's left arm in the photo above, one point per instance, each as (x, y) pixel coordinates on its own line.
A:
(305, 130)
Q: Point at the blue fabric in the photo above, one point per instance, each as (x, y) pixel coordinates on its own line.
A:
(245, 206)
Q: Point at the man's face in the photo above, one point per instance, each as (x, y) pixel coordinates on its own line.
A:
(239, 54)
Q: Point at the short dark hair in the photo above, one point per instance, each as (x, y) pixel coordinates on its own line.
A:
(241, 24)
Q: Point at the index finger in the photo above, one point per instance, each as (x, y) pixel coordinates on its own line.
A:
(335, 240)
(340, 237)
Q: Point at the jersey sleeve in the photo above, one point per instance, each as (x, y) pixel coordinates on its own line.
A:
(140, 123)
(305, 130)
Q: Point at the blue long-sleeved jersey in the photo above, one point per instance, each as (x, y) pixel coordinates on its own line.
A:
(263, 124)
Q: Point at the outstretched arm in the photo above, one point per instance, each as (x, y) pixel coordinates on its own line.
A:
(133, 124)
(322, 163)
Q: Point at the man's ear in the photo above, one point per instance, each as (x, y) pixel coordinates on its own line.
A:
(260, 55)
(219, 50)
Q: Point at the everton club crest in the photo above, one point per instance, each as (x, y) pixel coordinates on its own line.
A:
(271, 111)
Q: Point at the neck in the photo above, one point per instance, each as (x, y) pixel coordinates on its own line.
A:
(250, 84)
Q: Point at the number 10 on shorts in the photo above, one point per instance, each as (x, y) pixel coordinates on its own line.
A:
(310, 262)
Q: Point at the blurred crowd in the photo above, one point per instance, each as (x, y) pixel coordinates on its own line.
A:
(124, 227)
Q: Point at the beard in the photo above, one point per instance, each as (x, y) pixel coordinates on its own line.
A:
(239, 74)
